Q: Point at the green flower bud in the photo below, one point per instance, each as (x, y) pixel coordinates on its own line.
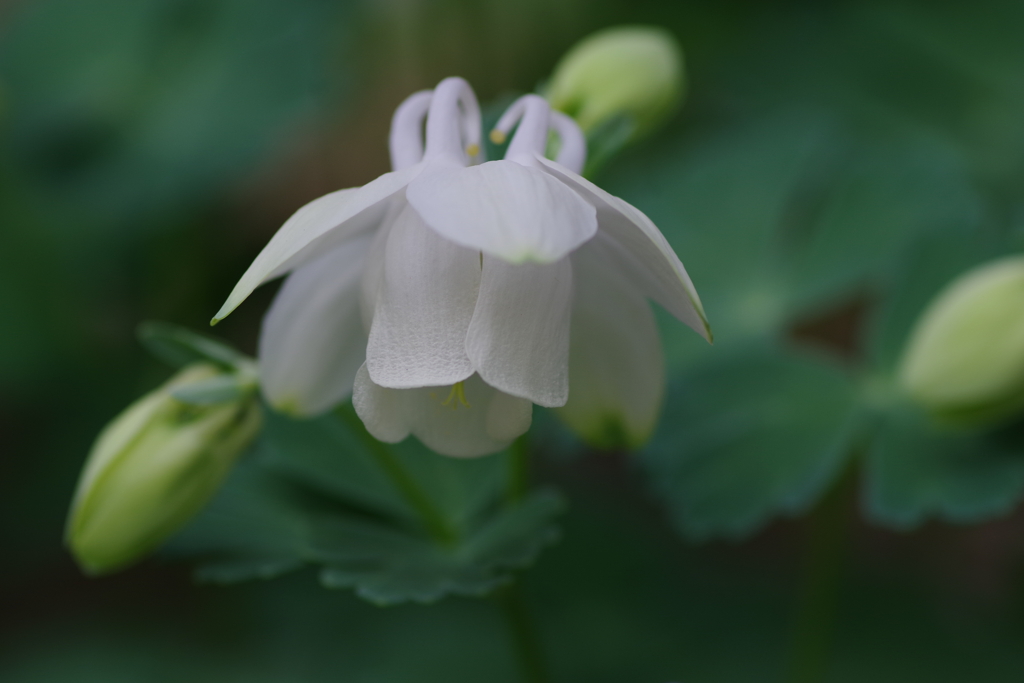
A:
(965, 358)
(630, 73)
(156, 465)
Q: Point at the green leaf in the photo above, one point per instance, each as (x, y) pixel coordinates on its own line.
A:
(932, 264)
(917, 470)
(759, 433)
(722, 202)
(142, 106)
(786, 216)
(331, 455)
(314, 492)
(386, 565)
(877, 199)
(254, 528)
(179, 346)
(324, 455)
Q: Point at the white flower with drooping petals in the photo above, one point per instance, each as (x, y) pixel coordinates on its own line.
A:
(448, 296)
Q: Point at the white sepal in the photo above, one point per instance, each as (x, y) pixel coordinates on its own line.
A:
(316, 227)
(312, 340)
(373, 268)
(639, 250)
(616, 367)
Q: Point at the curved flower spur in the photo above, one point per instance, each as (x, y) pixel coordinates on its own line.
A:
(458, 284)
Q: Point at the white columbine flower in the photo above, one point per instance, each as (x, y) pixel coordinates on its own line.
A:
(443, 293)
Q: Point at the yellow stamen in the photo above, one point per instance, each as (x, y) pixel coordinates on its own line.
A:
(458, 392)
(497, 137)
(473, 150)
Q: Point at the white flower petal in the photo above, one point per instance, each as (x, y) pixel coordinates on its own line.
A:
(424, 306)
(504, 209)
(317, 226)
(640, 250)
(508, 417)
(381, 410)
(519, 337)
(465, 430)
(487, 422)
(312, 339)
(616, 367)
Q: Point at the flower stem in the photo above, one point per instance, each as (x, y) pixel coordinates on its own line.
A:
(434, 521)
(510, 598)
(819, 592)
(524, 635)
(518, 470)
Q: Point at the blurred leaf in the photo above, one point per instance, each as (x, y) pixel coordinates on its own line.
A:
(903, 70)
(324, 455)
(721, 203)
(880, 202)
(308, 451)
(490, 113)
(253, 528)
(121, 107)
(950, 68)
(758, 433)
(776, 220)
(179, 346)
(786, 216)
(606, 140)
(387, 565)
(916, 470)
(314, 493)
(932, 264)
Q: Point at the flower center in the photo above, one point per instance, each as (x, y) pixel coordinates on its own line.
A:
(457, 396)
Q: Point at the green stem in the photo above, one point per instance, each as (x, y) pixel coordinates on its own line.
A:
(524, 635)
(518, 470)
(510, 598)
(819, 593)
(432, 518)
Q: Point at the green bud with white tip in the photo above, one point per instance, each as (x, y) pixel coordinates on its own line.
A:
(620, 83)
(964, 361)
(159, 462)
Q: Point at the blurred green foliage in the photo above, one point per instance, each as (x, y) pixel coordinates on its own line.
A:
(318, 493)
(835, 165)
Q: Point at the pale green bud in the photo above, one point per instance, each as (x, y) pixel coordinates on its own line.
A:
(157, 464)
(964, 361)
(631, 73)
